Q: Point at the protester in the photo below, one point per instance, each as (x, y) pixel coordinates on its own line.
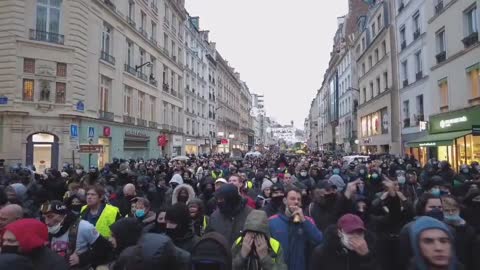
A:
(295, 232)
(142, 212)
(277, 192)
(198, 215)
(179, 226)
(14, 261)
(255, 249)
(27, 237)
(212, 253)
(9, 214)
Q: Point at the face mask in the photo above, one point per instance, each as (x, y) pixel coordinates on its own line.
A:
(336, 171)
(344, 240)
(54, 229)
(465, 170)
(401, 180)
(140, 213)
(303, 174)
(374, 175)
(452, 219)
(436, 214)
(362, 171)
(435, 192)
(10, 250)
(76, 208)
(79, 171)
(276, 201)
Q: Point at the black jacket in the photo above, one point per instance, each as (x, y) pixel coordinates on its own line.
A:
(45, 259)
(333, 256)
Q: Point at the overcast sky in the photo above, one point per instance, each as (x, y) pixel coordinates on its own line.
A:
(280, 47)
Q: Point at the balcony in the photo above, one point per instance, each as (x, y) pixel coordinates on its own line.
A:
(109, 116)
(47, 37)
(439, 7)
(142, 76)
(174, 57)
(419, 118)
(154, 7)
(152, 124)
(470, 39)
(129, 120)
(401, 7)
(142, 122)
(109, 4)
(131, 22)
(130, 69)
(403, 45)
(441, 57)
(166, 87)
(416, 34)
(107, 57)
(143, 32)
(406, 122)
(419, 75)
(405, 83)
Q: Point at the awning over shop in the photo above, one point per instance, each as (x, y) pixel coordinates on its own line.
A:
(440, 139)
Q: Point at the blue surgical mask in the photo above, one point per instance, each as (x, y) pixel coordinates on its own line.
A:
(401, 180)
(435, 192)
(336, 171)
(452, 219)
(362, 171)
(374, 175)
(140, 213)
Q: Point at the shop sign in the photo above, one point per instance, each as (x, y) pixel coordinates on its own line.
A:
(107, 131)
(80, 106)
(162, 140)
(423, 125)
(135, 133)
(91, 132)
(476, 130)
(224, 141)
(74, 131)
(219, 142)
(90, 148)
(427, 144)
(177, 140)
(368, 140)
(455, 121)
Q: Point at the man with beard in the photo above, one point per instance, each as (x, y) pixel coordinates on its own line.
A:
(230, 215)
(74, 239)
(179, 227)
(277, 192)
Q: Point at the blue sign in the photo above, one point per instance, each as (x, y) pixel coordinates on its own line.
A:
(3, 100)
(80, 106)
(73, 131)
(91, 132)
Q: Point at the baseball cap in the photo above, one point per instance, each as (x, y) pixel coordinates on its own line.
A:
(221, 180)
(350, 223)
(325, 184)
(56, 207)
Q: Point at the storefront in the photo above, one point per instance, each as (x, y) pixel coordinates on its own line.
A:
(450, 137)
(375, 135)
(191, 146)
(177, 142)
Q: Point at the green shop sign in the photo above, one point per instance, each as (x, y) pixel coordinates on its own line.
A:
(455, 121)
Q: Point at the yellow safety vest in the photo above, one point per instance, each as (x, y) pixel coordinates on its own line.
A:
(215, 177)
(107, 218)
(274, 244)
(249, 184)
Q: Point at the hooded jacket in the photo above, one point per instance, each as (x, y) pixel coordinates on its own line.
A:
(212, 249)
(333, 256)
(182, 236)
(127, 232)
(176, 191)
(154, 251)
(297, 239)
(420, 225)
(32, 235)
(257, 222)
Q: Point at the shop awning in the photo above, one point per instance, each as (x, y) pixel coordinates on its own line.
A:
(440, 139)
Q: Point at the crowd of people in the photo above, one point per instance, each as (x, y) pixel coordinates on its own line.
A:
(212, 212)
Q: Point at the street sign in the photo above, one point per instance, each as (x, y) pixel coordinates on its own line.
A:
(91, 132)
(73, 131)
(107, 131)
(3, 100)
(219, 142)
(90, 148)
(80, 106)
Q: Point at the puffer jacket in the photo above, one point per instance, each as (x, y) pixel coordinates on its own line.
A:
(257, 222)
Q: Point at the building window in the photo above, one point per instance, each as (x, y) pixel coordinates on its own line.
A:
(371, 90)
(165, 43)
(416, 22)
(154, 31)
(385, 79)
(374, 30)
(127, 101)
(440, 39)
(403, 41)
(48, 15)
(364, 44)
(28, 89)
(471, 20)
(28, 65)
(105, 86)
(406, 114)
(106, 39)
(129, 53)
(370, 61)
(152, 108)
(405, 73)
(443, 86)
(378, 86)
(377, 57)
(379, 21)
(143, 21)
(384, 48)
(141, 105)
(131, 9)
(60, 92)
(418, 62)
(420, 116)
(61, 70)
(142, 60)
(474, 76)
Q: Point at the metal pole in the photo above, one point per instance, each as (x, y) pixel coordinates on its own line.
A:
(73, 157)
(89, 160)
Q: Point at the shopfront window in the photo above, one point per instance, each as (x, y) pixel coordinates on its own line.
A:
(472, 148)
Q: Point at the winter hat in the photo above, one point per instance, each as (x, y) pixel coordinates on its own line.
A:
(212, 248)
(179, 214)
(337, 181)
(277, 187)
(20, 190)
(30, 233)
(227, 191)
(350, 223)
(123, 168)
(126, 231)
(266, 184)
(177, 178)
(420, 225)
